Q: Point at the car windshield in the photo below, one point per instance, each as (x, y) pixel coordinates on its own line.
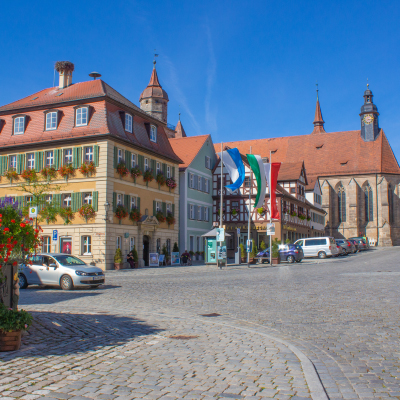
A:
(69, 260)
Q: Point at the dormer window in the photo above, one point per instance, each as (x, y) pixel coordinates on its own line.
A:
(82, 115)
(19, 125)
(51, 120)
(128, 123)
(153, 133)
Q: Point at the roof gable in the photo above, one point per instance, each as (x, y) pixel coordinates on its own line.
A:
(187, 148)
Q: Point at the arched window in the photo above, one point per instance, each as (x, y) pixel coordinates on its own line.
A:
(342, 204)
(368, 203)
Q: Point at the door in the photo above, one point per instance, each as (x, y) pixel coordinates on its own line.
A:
(33, 270)
(146, 250)
(302, 244)
(49, 275)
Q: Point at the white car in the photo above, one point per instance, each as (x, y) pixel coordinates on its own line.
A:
(58, 269)
(320, 247)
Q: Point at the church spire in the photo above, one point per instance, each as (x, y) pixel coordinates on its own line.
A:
(180, 132)
(318, 120)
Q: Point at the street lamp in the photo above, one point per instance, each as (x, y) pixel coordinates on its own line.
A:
(107, 208)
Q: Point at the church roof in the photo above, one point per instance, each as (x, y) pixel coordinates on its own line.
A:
(290, 171)
(318, 120)
(327, 154)
(180, 132)
(154, 89)
(187, 148)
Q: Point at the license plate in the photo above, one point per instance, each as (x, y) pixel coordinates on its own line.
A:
(94, 278)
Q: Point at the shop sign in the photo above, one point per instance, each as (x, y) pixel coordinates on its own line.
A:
(289, 228)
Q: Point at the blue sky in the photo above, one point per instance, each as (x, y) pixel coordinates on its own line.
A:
(234, 69)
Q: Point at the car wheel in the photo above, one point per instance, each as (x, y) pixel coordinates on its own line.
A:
(66, 282)
(290, 259)
(298, 260)
(23, 282)
(321, 254)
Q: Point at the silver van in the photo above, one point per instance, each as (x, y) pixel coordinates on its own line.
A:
(320, 247)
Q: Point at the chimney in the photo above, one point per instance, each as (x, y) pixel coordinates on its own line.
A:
(65, 69)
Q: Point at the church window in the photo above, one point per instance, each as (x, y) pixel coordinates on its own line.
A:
(342, 204)
(369, 203)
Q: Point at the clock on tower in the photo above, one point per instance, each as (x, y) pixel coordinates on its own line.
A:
(369, 118)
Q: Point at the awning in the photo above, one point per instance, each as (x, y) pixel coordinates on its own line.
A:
(213, 233)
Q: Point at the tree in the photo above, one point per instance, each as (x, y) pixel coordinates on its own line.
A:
(242, 250)
(263, 245)
(254, 249)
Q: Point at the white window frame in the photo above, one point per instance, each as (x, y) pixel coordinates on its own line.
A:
(89, 154)
(67, 156)
(158, 206)
(191, 180)
(49, 198)
(206, 216)
(30, 161)
(131, 243)
(67, 200)
(153, 133)
(133, 160)
(168, 171)
(28, 199)
(199, 183)
(133, 202)
(51, 121)
(169, 208)
(207, 185)
(158, 168)
(13, 161)
(46, 246)
(128, 122)
(86, 247)
(146, 164)
(119, 242)
(120, 199)
(120, 156)
(82, 117)
(191, 211)
(19, 125)
(49, 158)
(88, 198)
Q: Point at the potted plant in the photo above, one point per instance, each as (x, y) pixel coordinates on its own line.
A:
(12, 323)
(29, 175)
(235, 211)
(191, 252)
(88, 168)
(66, 171)
(263, 246)
(135, 172)
(148, 176)
(302, 216)
(135, 215)
(171, 184)
(170, 219)
(175, 248)
(293, 214)
(66, 214)
(11, 175)
(135, 257)
(160, 179)
(87, 212)
(261, 211)
(122, 170)
(121, 213)
(242, 252)
(308, 218)
(118, 259)
(49, 172)
(276, 258)
(253, 253)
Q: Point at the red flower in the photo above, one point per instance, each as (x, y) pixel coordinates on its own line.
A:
(30, 219)
(6, 230)
(15, 263)
(1, 216)
(37, 230)
(13, 221)
(22, 225)
(27, 233)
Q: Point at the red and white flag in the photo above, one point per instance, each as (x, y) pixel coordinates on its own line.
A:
(272, 180)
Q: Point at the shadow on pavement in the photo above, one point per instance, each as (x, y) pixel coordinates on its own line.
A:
(57, 334)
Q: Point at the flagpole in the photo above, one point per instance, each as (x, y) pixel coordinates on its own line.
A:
(221, 200)
(248, 222)
(270, 207)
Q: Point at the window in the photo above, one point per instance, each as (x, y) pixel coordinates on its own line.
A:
(13, 162)
(67, 200)
(120, 200)
(158, 245)
(368, 203)
(191, 243)
(246, 181)
(133, 202)
(133, 160)
(292, 190)
(46, 247)
(158, 206)
(158, 169)
(198, 243)
(207, 186)
(30, 161)
(206, 217)
(120, 156)
(67, 156)
(86, 245)
(131, 243)
(88, 154)
(199, 185)
(82, 116)
(128, 123)
(49, 198)
(51, 121)
(169, 208)
(119, 242)
(49, 158)
(146, 164)
(153, 133)
(19, 125)
(29, 200)
(191, 180)
(168, 171)
(208, 162)
(87, 198)
(342, 204)
(168, 246)
(191, 211)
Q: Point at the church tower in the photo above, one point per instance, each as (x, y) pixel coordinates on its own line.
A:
(369, 118)
(154, 99)
(318, 120)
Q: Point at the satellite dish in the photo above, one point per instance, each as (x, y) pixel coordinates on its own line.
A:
(95, 75)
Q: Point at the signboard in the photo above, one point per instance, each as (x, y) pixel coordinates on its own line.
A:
(221, 252)
(153, 259)
(249, 245)
(33, 212)
(175, 258)
(220, 235)
(161, 259)
(238, 231)
(55, 235)
(271, 229)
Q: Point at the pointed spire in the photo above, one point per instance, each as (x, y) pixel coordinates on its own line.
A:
(154, 77)
(180, 132)
(318, 121)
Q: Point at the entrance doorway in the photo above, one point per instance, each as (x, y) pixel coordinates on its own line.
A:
(146, 250)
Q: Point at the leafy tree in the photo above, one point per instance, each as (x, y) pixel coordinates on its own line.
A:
(242, 250)
(118, 256)
(263, 245)
(254, 250)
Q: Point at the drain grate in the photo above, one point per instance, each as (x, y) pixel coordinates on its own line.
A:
(183, 337)
(211, 315)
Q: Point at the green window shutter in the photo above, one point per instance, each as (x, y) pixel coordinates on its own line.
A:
(79, 157)
(173, 210)
(164, 169)
(38, 161)
(19, 163)
(23, 161)
(154, 207)
(173, 172)
(74, 157)
(20, 200)
(2, 166)
(82, 198)
(41, 160)
(56, 159)
(57, 200)
(76, 201)
(126, 201)
(164, 208)
(153, 167)
(114, 201)
(138, 203)
(95, 196)
(96, 155)
(60, 158)
(128, 163)
(115, 156)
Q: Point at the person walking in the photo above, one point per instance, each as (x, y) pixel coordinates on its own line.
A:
(131, 259)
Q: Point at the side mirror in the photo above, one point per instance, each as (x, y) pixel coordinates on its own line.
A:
(53, 266)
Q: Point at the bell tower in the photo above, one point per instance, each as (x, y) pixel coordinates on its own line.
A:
(369, 118)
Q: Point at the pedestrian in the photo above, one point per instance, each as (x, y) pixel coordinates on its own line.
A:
(185, 256)
(131, 259)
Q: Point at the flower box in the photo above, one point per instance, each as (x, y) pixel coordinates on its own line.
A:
(87, 212)
(48, 172)
(122, 170)
(88, 168)
(170, 182)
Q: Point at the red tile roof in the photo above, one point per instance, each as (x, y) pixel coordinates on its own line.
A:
(290, 171)
(327, 154)
(187, 148)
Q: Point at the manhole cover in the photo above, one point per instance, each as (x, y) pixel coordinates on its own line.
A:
(211, 315)
(183, 337)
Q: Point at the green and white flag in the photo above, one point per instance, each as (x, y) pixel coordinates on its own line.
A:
(257, 166)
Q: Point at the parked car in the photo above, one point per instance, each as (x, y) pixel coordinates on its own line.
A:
(355, 244)
(289, 253)
(62, 270)
(365, 244)
(346, 245)
(321, 247)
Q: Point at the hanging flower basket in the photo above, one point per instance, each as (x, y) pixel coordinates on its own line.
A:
(160, 216)
(293, 214)
(66, 171)
(88, 168)
(308, 218)
(11, 175)
(235, 211)
(122, 170)
(170, 182)
(135, 172)
(87, 212)
(261, 211)
(67, 215)
(148, 176)
(29, 175)
(302, 216)
(135, 215)
(121, 213)
(160, 179)
(49, 172)
(170, 219)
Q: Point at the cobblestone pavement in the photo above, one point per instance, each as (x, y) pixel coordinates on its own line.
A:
(343, 314)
